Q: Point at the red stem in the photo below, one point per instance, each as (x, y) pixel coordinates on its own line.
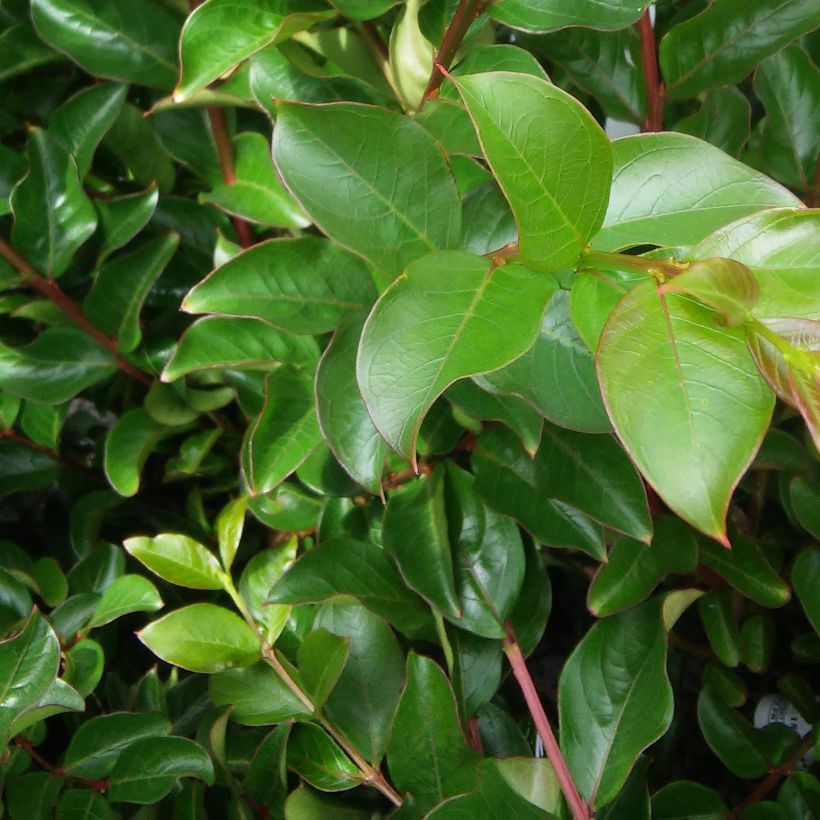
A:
(56, 771)
(559, 765)
(654, 87)
(466, 12)
(51, 290)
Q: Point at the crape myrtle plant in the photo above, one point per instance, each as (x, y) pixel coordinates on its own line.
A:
(380, 438)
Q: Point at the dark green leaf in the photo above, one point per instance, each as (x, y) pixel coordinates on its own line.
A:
(22, 468)
(321, 658)
(122, 218)
(685, 800)
(805, 578)
(721, 627)
(316, 758)
(548, 15)
(723, 120)
(21, 51)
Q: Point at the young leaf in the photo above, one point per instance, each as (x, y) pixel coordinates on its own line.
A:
(202, 638)
(648, 355)
(177, 559)
(319, 760)
(50, 196)
(284, 433)
(427, 752)
(540, 16)
(476, 318)
(229, 525)
(342, 413)
(508, 111)
(129, 593)
(130, 40)
(673, 189)
(330, 156)
(606, 721)
(302, 285)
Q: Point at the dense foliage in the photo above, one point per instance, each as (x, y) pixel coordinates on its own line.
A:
(346, 361)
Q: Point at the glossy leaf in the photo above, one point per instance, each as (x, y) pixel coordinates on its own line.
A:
(723, 120)
(607, 722)
(345, 164)
(229, 526)
(571, 195)
(548, 15)
(652, 346)
(723, 43)
(21, 50)
(221, 33)
(130, 40)
(476, 318)
(314, 756)
(322, 657)
(50, 196)
(122, 218)
(202, 638)
(805, 573)
(129, 593)
(177, 559)
(673, 189)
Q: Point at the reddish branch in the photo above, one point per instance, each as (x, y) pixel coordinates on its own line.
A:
(651, 79)
(556, 758)
(466, 12)
(56, 771)
(51, 290)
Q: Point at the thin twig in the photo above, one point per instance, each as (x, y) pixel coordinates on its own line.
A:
(56, 771)
(542, 724)
(651, 79)
(463, 18)
(52, 291)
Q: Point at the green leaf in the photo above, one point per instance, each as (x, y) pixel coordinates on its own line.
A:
(684, 800)
(130, 442)
(121, 287)
(229, 525)
(451, 125)
(284, 433)
(410, 56)
(342, 413)
(805, 495)
(29, 662)
(557, 374)
(673, 189)
(147, 770)
(606, 720)
(42, 423)
(745, 567)
(487, 222)
(51, 583)
(781, 247)
(81, 122)
(84, 666)
(330, 156)
(723, 43)
(634, 569)
(202, 638)
(214, 343)
(59, 698)
(724, 285)
(364, 699)
(427, 746)
(257, 695)
(720, 625)
(425, 561)
(22, 468)
(507, 481)
(319, 760)
(757, 637)
(302, 285)
(363, 9)
(129, 593)
(322, 657)
(532, 609)
(257, 194)
(662, 361)
(177, 559)
(476, 318)
(343, 566)
(130, 40)
(21, 50)
(805, 576)
(52, 215)
(85, 804)
(739, 746)
(572, 194)
(31, 796)
(58, 364)
(549, 15)
(219, 34)
(122, 218)
(723, 120)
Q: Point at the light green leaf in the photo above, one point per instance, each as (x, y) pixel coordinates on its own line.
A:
(321, 658)
(284, 433)
(257, 194)
(410, 56)
(476, 318)
(202, 638)
(606, 720)
(229, 525)
(723, 43)
(59, 698)
(302, 285)
(221, 33)
(664, 364)
(557, 206)
(177, 559)
(52, 215)
(121, 286)
(129, 593)
(549, 15)
(673, 189)
(346, 165)
(130, 40)
(215, 343)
